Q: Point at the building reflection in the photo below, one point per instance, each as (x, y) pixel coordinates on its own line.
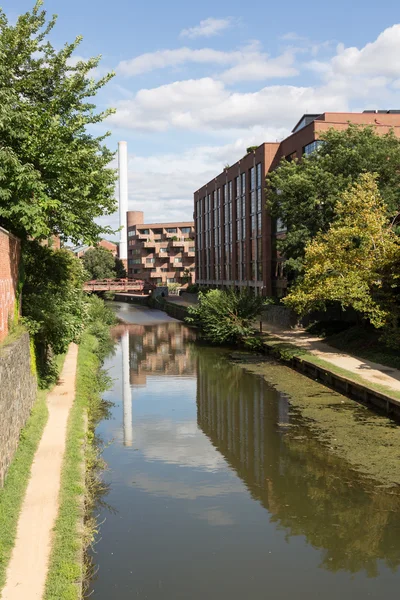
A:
(305, 488)
(154, 349)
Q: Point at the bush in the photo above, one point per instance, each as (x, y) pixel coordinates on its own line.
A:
(192, 288)
(225, 317)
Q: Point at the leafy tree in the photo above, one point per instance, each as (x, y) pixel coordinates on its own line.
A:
(54, 305)
(55, 175)
(304, 194)
(355, 261)
(120, 270)
(225, 316)
(99, 263)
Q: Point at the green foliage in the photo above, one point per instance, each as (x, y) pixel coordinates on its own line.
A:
(99, 320)
(192, 288)
(55, 175)
(304, 194)
(225, 317)
(120, 270)
(54, 307)
(251, 149)
(99, 263)
(355, 261)
(79, 485)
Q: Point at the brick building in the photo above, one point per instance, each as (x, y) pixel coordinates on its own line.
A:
(10, 253)
(80, 251)
(160, 252)
(234, 233)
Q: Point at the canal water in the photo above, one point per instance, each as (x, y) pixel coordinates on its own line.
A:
(219, 488)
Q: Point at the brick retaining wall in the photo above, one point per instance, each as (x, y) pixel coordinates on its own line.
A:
(10, 252)
(17, 395)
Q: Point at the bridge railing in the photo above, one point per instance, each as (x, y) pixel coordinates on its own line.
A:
(118, 285)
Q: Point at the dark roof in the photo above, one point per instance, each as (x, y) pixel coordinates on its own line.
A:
(307, 120)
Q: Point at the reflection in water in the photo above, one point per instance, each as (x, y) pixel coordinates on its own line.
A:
(221, 490)
(126, 390)
(161, 349)
(305, 488)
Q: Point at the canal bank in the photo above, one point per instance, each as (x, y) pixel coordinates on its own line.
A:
(236, 469)
(370, 383)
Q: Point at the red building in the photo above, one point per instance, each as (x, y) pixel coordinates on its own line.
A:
(234, 232)
(160, 252)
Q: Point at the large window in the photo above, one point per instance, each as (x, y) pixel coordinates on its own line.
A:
(150, 261)
(313, 147)
(171, 230)
(186, 230)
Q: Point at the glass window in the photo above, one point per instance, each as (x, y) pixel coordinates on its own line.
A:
(186, 230)
(163, 250)
(280, 226)
(150, 261)
(258, 176)
(252, 178)
(177, 260)
(237, 179)
(310, 148)
(170, 280)
(243, 183)
(171, 230)
(259, 196)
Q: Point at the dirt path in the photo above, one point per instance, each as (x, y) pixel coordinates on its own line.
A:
(27, 571)
(370, 371)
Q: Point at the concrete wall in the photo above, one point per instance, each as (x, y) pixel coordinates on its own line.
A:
(10, 252)
(17, 395)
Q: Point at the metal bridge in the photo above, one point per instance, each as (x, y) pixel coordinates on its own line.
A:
(137, 286)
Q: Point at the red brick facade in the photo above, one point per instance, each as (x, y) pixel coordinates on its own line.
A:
(235, 236)
(10, 252)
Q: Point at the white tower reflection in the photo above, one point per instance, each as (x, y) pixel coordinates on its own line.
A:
(126, 391)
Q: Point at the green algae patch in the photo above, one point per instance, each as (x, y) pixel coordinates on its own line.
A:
(370, 443)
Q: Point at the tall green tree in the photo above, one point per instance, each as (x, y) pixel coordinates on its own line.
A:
(354, 263)
(303, 194)
(101, 264)
(55, 177)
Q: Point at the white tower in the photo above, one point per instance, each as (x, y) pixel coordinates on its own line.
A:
(123, 198)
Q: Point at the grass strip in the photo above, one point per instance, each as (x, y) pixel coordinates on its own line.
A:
(286, 351)
(13, 492)
(66, 571)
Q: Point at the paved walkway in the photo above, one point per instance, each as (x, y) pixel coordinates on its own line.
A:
(27, 571)
(370, 371)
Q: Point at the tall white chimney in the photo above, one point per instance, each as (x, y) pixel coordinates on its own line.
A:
(123, 198)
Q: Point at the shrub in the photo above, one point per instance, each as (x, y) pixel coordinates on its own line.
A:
(225, 317)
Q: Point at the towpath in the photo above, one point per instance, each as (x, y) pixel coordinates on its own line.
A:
(27, 570)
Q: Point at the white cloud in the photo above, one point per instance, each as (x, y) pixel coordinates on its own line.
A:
(256, 66)
(378, 58)
(246, 64)
(207, 28)
(206, 104)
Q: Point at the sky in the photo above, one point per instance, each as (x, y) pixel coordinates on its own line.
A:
(198, 82)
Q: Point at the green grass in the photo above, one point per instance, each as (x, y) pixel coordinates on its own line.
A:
(286, 351)
(66, 574)
(13, 492)
(365, 343)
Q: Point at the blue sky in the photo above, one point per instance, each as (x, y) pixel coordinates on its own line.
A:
(196, 83)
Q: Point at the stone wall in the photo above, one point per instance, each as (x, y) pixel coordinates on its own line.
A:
(17, 395)
(10, 251)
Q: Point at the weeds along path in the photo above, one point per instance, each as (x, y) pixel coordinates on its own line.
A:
(27, 570)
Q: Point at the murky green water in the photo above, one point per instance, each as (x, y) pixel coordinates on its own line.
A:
(221, 488)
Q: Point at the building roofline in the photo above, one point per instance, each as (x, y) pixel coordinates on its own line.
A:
(161, 225)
